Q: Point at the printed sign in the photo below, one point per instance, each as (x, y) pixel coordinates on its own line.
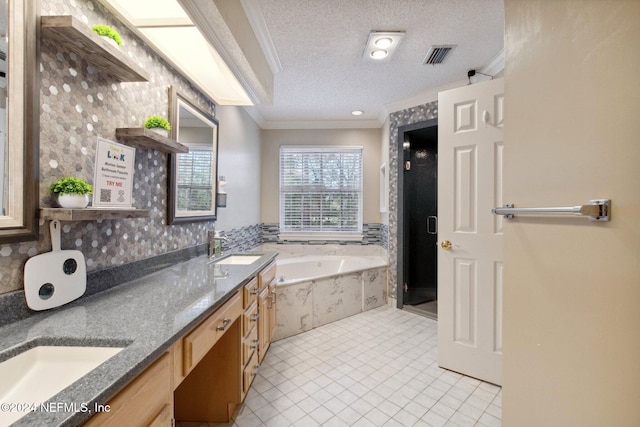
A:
(113, 181)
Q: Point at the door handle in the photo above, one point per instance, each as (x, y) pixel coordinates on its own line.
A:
(446, 245)
(432, 220)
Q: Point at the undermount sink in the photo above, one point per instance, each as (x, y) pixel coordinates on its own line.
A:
(39, 373)
(238, 260)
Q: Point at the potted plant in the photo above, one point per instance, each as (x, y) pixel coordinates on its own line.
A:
(158, 124)
(71, 192)
(108, 33)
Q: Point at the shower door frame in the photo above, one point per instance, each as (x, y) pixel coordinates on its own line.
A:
(400, 218)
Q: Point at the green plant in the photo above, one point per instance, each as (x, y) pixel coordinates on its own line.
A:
(105, 30)
(71, 185)
(156, 122)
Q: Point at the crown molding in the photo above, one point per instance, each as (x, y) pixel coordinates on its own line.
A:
(261, 31)
(322, 124)
(494, 67)
(420, 98)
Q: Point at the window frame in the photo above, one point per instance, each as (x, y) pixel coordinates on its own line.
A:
(306, 234)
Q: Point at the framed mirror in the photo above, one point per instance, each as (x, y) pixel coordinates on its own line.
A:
(192, 175)
(19, 120)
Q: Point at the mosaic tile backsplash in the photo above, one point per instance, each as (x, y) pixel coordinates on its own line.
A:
(78, 104)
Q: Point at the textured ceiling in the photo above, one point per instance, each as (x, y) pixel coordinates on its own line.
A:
(320, 45)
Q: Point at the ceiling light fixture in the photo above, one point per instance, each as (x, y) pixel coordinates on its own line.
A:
(357, 112)
(384, 42)
(166, 27)
(381, 45)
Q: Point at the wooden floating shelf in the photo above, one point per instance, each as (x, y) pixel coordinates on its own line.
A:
(91, 214)
(80, 39)
(150, 139)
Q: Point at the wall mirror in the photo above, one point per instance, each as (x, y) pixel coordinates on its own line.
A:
(19, 120)
(192, 175)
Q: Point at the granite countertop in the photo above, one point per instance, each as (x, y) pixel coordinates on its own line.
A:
(146, 316)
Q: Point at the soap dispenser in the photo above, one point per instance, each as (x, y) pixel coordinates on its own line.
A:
(221, 197)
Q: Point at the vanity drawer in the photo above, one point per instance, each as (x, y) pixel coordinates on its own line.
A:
(199, 341)
(267, 275)
(250, 319)
(250, 372)
(249, 346)
(250, 292)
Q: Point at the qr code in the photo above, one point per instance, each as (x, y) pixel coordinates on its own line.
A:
(105, 195)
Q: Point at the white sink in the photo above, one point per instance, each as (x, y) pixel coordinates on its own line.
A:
(39, 373)
(238, 260)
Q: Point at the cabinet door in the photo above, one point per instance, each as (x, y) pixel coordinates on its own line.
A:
(272, 309)
(263, 323)
(147, 400)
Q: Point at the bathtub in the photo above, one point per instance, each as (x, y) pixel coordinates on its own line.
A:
(316, 290)
(294, 270)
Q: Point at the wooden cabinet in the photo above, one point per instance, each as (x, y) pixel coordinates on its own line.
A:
(250, 334)
(266, 311)
(267, 319)
(272, 309)
(250, 292)
(263, 324)
(267, 275)
(145, 401)
(206, 374)
(199, 341)
(213, 388)
(249, 373)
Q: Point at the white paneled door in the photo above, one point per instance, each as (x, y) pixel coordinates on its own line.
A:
(470, 152)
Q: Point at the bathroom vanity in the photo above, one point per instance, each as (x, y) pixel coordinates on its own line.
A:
(192, 334)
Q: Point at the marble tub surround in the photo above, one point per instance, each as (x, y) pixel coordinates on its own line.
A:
(146, 315)
(309, 304)
(286, 251)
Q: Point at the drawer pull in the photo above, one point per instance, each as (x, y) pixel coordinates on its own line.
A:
(256, 291)
(255, 317)
(255, 373)
(224, 325)
(255, 344)
(270, 306)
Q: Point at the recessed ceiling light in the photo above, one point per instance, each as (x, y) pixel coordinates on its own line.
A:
(381, 45)
(384, 42)
(357, 112)
(379, 54)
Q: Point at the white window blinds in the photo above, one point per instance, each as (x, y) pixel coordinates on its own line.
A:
(195, 181)
(320, 189)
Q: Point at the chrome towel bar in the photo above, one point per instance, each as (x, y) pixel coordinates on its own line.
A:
(596, 210)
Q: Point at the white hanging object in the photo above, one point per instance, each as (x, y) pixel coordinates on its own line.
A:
(54, 278)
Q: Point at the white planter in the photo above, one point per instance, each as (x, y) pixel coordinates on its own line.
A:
(111, 41)
(73, 201)
(161, 131)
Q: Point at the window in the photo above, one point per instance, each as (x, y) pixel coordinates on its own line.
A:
(195, 182)
(321, 190)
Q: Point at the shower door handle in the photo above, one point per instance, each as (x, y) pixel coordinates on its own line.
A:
(432, 224)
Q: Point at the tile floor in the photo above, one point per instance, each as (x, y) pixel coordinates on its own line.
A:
(377, 368)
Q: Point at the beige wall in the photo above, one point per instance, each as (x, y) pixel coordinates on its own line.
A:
(572, 287)
(239, 162)
(369, 139)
